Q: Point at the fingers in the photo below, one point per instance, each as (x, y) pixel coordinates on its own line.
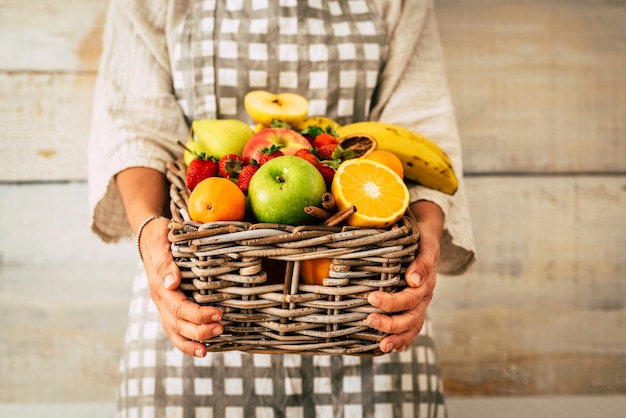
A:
(403, 327)
(185, 322)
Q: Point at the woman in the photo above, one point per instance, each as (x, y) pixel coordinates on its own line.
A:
(166, 63)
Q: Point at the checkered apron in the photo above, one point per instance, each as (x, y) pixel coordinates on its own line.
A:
(330, 52)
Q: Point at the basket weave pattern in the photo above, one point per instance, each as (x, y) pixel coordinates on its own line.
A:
(222, 265)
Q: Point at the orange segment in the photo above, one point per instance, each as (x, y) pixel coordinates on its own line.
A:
(380, 196)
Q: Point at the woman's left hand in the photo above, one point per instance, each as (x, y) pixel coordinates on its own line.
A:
(409, 305)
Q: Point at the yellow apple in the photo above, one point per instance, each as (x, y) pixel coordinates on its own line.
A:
(263, 107)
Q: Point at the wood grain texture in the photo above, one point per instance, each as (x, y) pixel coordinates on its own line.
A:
(44, 125)
(538, 86)
(50, 35)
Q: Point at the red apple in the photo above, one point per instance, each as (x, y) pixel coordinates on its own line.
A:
(291, 142)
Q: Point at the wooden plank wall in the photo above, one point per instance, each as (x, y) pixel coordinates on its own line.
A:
(541, 104)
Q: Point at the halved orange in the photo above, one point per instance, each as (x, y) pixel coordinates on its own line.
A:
(380, 196)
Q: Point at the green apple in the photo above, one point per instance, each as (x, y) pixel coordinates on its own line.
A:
(217, 137)
(281, 189)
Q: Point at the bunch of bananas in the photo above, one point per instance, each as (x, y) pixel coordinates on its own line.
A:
(423, 160)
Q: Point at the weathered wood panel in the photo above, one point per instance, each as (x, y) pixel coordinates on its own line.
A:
(44, 126)
(538, 86)
(543, 310)
(51, 35)
(551, 324)
(63, 297)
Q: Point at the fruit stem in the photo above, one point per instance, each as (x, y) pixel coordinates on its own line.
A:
(179, 142)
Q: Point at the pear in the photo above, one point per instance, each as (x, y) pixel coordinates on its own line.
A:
(217, 137)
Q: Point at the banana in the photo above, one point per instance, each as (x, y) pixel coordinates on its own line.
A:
(423, 160)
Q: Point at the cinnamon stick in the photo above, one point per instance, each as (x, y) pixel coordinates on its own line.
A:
(340, 216)
(317, 212)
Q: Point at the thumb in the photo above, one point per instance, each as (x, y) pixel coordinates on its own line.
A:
(171, 281)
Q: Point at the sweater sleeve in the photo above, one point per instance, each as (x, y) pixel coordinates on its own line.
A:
(415, 75)
(136, 119)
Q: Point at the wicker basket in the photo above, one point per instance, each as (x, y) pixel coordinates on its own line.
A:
(222, 265)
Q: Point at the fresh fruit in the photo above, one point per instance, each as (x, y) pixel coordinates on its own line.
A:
(281, 189)
(263, 107)
(200, 168)
(326, 152)
(314, 270)
(387, 158)
(423, 160)
(359, 144)
(217, 137)
(268, 153)
(217, 199)
(325, 139)
(321, 121)
(307, 155)
(327, 172)
(290, 141)
(245, 175)
(380, 196)
(230, 165)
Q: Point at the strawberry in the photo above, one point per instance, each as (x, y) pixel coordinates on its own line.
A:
(327, 151)
(307, 155)
(245, 175)
(269, 153)
(325, 139)
(327, 172)
(230, 165)
(201, 167)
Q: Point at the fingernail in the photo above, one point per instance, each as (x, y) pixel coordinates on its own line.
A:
(168, 281)
(373, 323)
(416, 279)
(217, 331)
(215, 318)
(373, 299)
(199, 353)
(389, 348)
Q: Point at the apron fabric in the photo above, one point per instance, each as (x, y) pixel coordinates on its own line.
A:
(158, 381)
(331, 52)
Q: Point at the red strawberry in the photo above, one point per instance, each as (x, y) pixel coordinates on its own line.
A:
(307, 155)
(245, 175)
(324, 139)
(200, 168)
(325, 152)
(269, 153)
(311, 132)
(327, 172)
(230, 165)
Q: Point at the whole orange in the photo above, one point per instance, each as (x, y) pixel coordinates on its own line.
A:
(313, 271)
(387, 158)
(217, 199)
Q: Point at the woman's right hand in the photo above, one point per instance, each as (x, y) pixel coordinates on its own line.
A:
(184, 322)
